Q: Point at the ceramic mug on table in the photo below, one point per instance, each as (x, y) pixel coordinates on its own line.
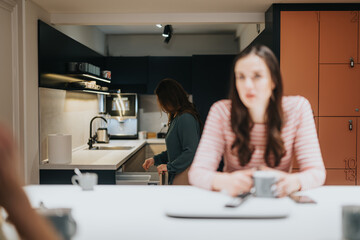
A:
(351, 222)
(264, 183)
(86, 181)
(61, 219)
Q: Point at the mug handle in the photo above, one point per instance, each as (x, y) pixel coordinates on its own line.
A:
(73, 226)
(75, 180)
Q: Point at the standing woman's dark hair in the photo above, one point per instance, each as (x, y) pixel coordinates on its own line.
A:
(241, 121)
(174, 100)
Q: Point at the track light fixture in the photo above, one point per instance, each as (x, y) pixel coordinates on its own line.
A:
(168, 31)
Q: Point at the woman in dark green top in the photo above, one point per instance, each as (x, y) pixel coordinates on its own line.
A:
(184, 131)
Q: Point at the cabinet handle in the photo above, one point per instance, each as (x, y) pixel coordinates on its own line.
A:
(350, 125)
(351, 62)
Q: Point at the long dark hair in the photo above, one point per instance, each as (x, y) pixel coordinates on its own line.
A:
(173, 100)
(241, 121)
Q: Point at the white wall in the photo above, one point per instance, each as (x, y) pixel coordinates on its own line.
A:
(247, 33)
(6, 66)
(179, 45)
(90, 36)
(31, 120)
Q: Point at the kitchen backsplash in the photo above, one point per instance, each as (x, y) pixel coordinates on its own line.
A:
(65, 112)
(150, 116)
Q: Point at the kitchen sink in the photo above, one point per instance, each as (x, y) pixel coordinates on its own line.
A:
(112, 148)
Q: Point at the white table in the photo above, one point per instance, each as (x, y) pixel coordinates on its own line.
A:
(137, 212)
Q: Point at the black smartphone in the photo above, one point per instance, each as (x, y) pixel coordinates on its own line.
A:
(302, 199)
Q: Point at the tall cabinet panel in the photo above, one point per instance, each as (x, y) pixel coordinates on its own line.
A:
(338, 36)
(339, 90)
(299, 42)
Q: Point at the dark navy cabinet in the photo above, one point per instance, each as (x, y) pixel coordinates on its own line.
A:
(178, 68)
(130, 74)
(210, 80)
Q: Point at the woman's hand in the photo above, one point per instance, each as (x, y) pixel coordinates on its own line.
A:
(234, 183)
(148, 163)
(287, 184)
(162, 168)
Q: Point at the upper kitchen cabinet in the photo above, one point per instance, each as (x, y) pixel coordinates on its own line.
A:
(299, 44)
(130, 74)
(56, 50)
(338, 36)
(211, 77)
(339, 90)
(177, 68)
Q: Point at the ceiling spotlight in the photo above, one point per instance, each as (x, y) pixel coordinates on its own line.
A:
(159, 25)
(168, 31)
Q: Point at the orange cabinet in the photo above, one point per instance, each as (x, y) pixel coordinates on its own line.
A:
(357, 167)
(339, 86)
(338, 36)
(337, 141)
(340, 177)
(299, 41)
(319, 56)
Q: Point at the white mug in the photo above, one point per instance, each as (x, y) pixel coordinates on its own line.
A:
(86, 181)
(264, 182)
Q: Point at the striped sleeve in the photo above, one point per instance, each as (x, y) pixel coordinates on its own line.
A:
(307, 150)
(210, 149)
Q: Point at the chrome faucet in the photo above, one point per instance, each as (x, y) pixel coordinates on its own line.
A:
(92, 138)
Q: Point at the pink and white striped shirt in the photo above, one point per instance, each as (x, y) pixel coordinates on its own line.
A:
(298, 133)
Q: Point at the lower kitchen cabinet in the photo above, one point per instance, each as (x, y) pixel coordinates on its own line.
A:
(152, 150)
(135, 162)
(63, 176)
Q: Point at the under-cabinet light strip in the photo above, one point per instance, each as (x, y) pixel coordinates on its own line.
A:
(93, 91)
(86, 75)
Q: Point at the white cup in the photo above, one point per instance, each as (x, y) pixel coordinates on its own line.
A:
(86, 181)
(142, 135)
(350, 222)
(264, 182)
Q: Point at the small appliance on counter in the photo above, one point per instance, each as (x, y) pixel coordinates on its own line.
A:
(121, 111)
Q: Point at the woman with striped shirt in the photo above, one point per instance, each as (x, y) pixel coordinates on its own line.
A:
(258, 128)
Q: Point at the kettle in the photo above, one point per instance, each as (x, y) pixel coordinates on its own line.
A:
(102, 135)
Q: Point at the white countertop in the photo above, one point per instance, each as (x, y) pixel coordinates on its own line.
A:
(138, 212)
(86, 159)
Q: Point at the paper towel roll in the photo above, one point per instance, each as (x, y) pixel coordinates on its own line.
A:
(59, 148)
